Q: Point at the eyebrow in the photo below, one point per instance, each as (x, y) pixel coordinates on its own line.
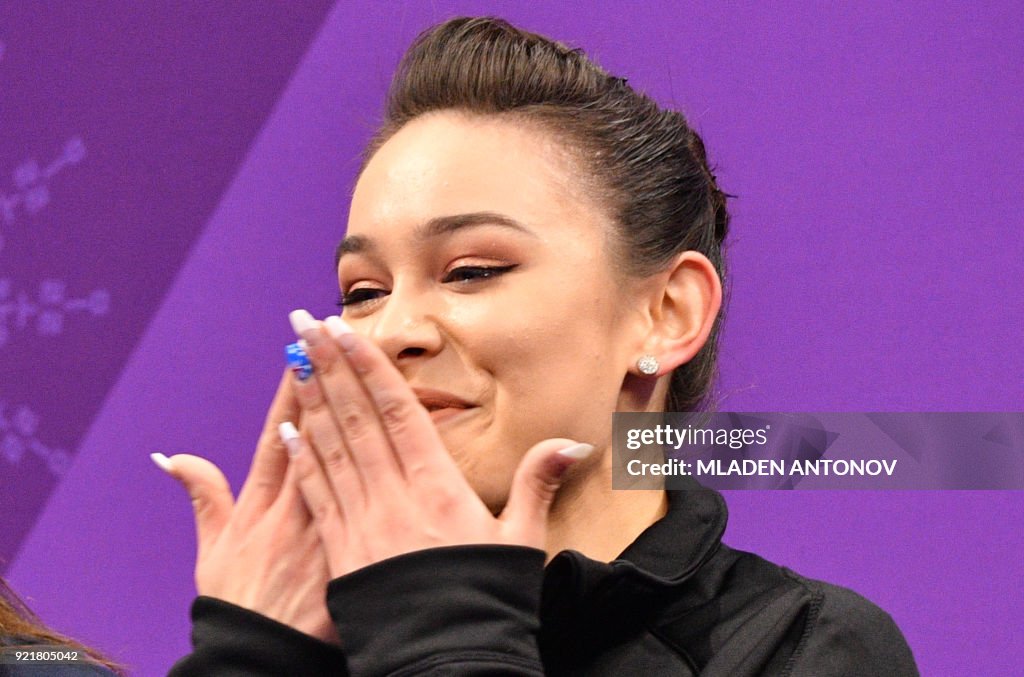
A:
(435, 227)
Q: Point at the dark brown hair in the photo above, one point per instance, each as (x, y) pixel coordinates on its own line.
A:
(19, 624)
(643, 163)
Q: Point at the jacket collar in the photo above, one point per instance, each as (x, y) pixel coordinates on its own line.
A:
(586, 601)
(671, 549)
(668, 551)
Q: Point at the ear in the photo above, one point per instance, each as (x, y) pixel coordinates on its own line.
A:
(685, 301)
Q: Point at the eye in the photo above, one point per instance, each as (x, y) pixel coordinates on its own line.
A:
(361, 295)
(471, 273)
(461, 274)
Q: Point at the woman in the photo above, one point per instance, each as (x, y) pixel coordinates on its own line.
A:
(531, 246)
(23, 635)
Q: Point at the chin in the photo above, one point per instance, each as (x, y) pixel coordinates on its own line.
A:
(494, 497)
(488, 476)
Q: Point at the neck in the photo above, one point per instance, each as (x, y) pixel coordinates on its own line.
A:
(591, 518)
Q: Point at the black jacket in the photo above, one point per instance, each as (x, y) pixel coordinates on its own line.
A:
(676, 602)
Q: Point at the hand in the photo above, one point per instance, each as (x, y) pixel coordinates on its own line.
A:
(261, 552)
(375, 475)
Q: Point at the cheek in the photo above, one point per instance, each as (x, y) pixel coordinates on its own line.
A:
(554, 363)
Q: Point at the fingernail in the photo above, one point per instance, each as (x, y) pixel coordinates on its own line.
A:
(290, 436)
(163, 462)
(337, 327)
(577, 451)
(304, 325)
(298, 361)
(301, 321)
(341, 332)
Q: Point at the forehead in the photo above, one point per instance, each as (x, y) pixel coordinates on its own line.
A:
(450, 163)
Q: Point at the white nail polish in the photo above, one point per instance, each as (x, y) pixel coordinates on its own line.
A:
(162, 462)
(337, 327)
(577, 451)
(302, 321)
(287, 431)
(290, 436)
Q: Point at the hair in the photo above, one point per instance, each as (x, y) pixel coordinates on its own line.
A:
(20, 624)
(642, 163)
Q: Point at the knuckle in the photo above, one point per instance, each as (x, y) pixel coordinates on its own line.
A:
(446, 500)
(420, 474)
(543, 488)
(394, 412)
(200, 500)
(325, 512)
(354, 420)
(327, 367)
(314, 402)
(336, 459)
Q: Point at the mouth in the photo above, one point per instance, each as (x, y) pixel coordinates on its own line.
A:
(446, 414)
(441, 405)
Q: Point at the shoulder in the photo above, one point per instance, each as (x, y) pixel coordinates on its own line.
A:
(843, 629)
(839, 606)
(743, 615)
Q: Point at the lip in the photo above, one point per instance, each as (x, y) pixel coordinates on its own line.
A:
(448, 413)
(439, 399)
(440, 404)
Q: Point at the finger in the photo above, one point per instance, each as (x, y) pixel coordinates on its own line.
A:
(289, 501)
(328, 446)
(270, 462)
(537, 480)
(322, 429)
(405, 421)
(317, 494)
(212, 501)
(342, 415)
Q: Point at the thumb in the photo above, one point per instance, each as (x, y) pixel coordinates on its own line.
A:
(537, 480)
(209, 490)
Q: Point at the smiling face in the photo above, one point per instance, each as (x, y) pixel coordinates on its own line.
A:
(472, 260)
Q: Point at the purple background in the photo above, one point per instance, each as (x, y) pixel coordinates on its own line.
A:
(876, 266)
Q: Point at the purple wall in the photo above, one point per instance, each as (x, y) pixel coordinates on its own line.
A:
(172, 182)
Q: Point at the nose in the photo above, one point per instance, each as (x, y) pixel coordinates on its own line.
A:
(405, 327)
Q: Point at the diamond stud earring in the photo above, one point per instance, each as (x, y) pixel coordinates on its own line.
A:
(648, 365)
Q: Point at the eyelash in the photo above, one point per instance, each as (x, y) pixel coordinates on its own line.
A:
(473, 274)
